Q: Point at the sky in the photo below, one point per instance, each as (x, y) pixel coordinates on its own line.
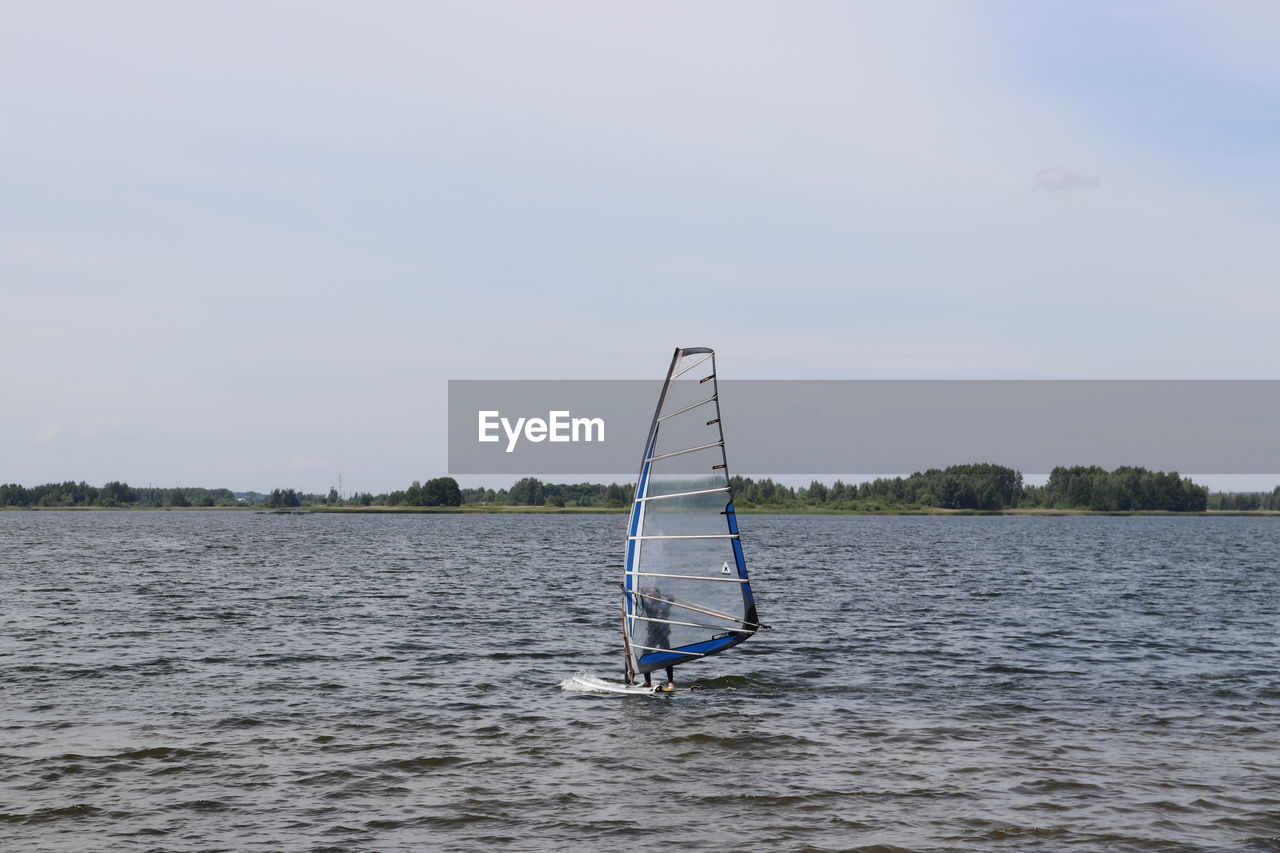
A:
(245, 245)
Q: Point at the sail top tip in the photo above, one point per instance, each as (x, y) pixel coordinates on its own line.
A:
(693, 350)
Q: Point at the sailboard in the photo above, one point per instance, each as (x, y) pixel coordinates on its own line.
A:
(685, 590)
(587, 683)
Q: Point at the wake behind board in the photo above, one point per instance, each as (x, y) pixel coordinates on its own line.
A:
(592, 684)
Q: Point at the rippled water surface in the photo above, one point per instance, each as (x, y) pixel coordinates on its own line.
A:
(241, 681)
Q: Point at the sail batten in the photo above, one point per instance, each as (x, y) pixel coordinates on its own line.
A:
(710, 613)
(682, 452)
(690, 577)
(702, 360)
(710, 399)
(690, 624)
(683, 547)
(683, 494)
(689, 536)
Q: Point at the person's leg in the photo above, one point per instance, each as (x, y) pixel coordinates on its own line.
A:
(671, 677)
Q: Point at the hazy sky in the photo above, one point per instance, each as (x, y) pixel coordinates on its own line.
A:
(246, 244)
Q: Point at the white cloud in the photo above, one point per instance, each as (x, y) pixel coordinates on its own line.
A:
(1058, 178)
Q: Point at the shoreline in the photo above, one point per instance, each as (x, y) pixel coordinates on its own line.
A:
(592, 510)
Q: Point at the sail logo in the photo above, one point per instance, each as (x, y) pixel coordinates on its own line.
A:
(724, 570)
(557, 426)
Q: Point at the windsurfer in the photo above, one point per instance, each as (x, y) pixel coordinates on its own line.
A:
(656, 605)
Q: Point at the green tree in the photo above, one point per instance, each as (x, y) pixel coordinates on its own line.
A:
(118, 493)
(528, 492)
(442, 491)
(283, 498)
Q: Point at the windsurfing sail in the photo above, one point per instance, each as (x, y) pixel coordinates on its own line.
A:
(686, 594)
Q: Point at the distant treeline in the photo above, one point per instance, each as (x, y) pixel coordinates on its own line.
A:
(1245, 501)
(533, 492)
(977, 487)
(440, 491)
(113, 494)
(1125, 488)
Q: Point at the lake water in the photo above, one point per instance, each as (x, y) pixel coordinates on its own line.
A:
(174, 681)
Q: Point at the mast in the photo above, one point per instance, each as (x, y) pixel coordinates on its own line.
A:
(630, 677)
(637, 512)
